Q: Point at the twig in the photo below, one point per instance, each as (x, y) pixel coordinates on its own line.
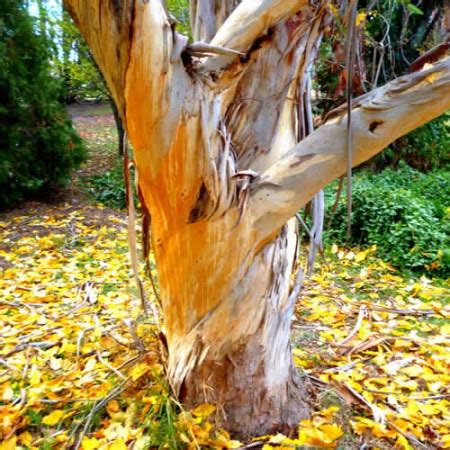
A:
(17, 305)
(203, 49)
(308, 232)
(109, 366)
(9, 366)
(79, 341)
(378, 414)
(347, 366)
(353, 333)
(131, 227)
(297, 286)
(408, 436)
(42, 439)
(129, 361)
(42, 345)
(97, 407)
(431, 397)
(336, 201)
(64, 400)
(137, 341)
(85, 428)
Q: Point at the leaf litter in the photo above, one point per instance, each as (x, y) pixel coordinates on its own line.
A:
(80, 367)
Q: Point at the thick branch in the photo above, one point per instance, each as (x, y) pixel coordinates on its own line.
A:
(250, 20)
(206, 16)
(379, 118)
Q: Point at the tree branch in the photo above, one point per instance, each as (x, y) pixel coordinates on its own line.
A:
(250, 20)
(379, 118)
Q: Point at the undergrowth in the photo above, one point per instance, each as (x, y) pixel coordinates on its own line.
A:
(404, 212)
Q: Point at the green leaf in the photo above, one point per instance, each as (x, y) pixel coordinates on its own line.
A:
(413, 9)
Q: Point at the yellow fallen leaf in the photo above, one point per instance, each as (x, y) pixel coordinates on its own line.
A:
(204, 410)
(8, 393)
(139, 370)
(361, 256)
(350, 256)
(277, 439)
(25, 438)
(118, 444)
(10, 444)
(413, 371)
(331, 431)
(54, 417)
(90, 443)
(445, 440)
(113, 406)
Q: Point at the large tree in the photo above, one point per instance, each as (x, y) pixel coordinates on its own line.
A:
(225, 156)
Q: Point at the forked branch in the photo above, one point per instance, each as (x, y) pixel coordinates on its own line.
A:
(379, 118)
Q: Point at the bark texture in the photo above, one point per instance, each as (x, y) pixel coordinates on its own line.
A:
(222, 172)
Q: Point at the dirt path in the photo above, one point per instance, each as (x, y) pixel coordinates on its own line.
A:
(95, 124)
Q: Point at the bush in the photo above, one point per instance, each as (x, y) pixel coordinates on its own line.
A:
(404, 213)
(38, 145)
(108, 188)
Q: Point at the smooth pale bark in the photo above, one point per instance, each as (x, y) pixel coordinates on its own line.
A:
(248, 22)
(202, 130)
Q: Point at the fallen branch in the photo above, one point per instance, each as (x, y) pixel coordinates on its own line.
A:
(98, 405)
(354, 332)
(109, 366)
(132, 329)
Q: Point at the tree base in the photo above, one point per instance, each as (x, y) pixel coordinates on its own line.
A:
(245, 405)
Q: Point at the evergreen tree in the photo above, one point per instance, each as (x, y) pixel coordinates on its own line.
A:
(38, 144)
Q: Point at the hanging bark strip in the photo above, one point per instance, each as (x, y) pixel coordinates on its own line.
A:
(131, 225)
(351, 52)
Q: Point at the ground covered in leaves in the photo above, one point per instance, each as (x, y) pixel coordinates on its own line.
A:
(80, 364)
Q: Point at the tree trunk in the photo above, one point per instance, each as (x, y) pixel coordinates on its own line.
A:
(221, 170)
(119, 126)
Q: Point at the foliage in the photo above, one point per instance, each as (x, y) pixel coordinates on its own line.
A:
(38, 145)
(108, 188)
(67, 295)
(81, 78)
(401, 211)
(179, 9)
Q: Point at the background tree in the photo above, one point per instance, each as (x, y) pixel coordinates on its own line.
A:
(390, 37)
(38, 145)
(223, 165)
(81, 76)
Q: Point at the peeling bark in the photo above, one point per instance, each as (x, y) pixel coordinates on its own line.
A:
(221, 171)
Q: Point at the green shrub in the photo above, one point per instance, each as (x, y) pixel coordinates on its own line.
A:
(404, 213)
(108, 188)
(38, 145)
